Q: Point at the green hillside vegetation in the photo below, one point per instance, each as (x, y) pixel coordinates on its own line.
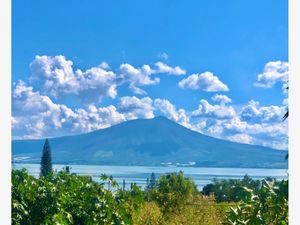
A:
(64, 198)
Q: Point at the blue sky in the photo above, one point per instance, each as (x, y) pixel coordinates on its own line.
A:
(234, 41)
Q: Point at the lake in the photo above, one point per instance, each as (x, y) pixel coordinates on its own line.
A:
(139, 174)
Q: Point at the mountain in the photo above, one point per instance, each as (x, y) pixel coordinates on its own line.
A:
(150, 142)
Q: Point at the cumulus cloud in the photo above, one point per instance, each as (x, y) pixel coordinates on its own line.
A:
(274, 71)
(265, 129)
(57, 77)
(36, 115)
(223, 99)
(133, 107)
(217, 111)
(164, 68)
(252, 111)
(169, 110)
(241, 138)
(205, 81)
(253, 124)
(137, 77)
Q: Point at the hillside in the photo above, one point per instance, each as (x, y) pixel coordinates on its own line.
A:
(151, 142)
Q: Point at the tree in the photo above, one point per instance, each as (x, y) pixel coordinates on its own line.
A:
(46, 161)
(173, 191)
(152, 181)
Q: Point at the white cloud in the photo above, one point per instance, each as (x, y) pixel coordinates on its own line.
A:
(221, 98)
(216, 111)
(104, 65)
(133, 107)
(169, 110)
(164, 68)
(163, 55)
(274, 71)
(252, 111)
(263, 124)
(35, 115)
(267, 129)
(204, 81)
(285, 102)
(137, 77)
(56, 76)
(241, 138)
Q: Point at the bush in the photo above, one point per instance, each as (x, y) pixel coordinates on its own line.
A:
(231, 190)
(150, 214)
(181, 203)
(62, 198)
(203, 210)
(67, 199)
(268, 206)
(173, 191)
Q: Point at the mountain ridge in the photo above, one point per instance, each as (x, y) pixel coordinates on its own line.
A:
(151, 142)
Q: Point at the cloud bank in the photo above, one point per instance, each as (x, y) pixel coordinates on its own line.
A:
(36, 111)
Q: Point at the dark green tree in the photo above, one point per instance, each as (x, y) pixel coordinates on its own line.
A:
(152, 181)
(46, 160)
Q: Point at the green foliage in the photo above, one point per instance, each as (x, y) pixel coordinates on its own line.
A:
(150, 215)
(152, 183)
(66, 199)
(63, 198)
(268, 206)
(172, 191)
(46, 160)
(202, 210)
(176, 200)
(231, 190)
(132, 200)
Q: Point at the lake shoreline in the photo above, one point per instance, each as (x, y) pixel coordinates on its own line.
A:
(139, 174)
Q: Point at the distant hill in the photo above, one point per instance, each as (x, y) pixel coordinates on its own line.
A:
(150, 142)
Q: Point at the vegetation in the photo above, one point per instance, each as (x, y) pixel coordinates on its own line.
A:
(46, 160)
(232, 190)
(64, 198)
(268, 206)
(259, 202)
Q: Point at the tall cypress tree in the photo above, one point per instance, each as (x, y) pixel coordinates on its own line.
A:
(46, 161)
(152, 183)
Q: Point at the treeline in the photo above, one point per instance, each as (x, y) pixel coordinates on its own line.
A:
(234, 190)
(63, 198)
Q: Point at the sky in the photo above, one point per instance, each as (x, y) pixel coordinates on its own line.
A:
(216, 67)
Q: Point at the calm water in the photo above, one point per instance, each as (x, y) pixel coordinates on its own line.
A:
(139, 174)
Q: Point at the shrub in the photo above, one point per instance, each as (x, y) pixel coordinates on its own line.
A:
(268, 206)
(67, 199)
(150, 214)
(173, 191)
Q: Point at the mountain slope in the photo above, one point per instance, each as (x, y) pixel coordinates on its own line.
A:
(150, 142)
